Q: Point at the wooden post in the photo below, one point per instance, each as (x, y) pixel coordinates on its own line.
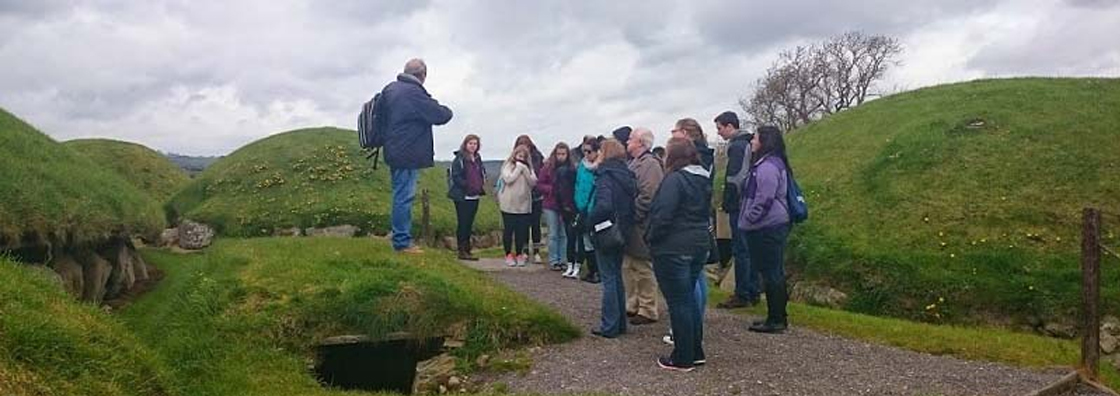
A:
(426, 216)
(1090, 293)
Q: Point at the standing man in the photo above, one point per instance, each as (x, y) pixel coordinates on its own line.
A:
(637, 269)
(747, 286)
(410, 113)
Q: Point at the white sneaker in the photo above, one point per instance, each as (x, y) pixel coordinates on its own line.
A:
(537, 258)
(667, 339)
(568, 268)
(575, 272)
(522, 260)
(510, 261)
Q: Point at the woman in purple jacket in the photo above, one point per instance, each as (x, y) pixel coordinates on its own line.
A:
(557, 183)
(764, 215)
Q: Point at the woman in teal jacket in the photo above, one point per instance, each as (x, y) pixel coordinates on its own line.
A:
(584, 197)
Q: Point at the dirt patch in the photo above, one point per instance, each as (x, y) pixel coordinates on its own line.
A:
(155, 275)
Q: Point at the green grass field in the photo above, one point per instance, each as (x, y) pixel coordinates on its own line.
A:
(143, 167)
(961, 203)
(49, 192)
(240, 318)
(310, 178)
(53, 345)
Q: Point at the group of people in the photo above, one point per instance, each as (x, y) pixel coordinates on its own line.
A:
(620, 214)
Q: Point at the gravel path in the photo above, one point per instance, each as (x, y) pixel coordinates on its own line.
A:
(799, 362)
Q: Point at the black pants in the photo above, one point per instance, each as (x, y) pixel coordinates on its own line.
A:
(465, 211)
(515, 232)
(767, 249)
(535, 221)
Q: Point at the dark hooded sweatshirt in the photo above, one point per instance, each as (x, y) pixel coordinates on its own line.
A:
(679, 217)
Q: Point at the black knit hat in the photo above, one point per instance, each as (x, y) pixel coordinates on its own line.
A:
(622, 134)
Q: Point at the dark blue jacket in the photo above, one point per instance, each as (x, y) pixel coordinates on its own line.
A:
(410, 113)
(738, 164)
(679, 218)
(615, 190)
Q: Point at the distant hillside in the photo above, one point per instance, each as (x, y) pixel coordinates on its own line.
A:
(961, 201)
(309, 178)
(143, 167)
(192, 165)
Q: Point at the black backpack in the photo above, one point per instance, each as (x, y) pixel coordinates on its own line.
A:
(371, 127)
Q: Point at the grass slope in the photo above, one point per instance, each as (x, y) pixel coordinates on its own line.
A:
(49, 191)
(963, 201)
(240, 318)
(146, 169)
(52, 345)
(309, 178)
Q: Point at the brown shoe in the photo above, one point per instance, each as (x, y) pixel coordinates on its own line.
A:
(639, 320)
(412, 250)
(734, 302)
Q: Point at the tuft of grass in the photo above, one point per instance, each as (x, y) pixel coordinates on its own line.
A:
(53, 345)
(144, 168)
(310, 178)
(49, 192)
(961, 203)
(242, 317)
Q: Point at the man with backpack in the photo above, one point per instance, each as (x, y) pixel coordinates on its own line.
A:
(409, 113)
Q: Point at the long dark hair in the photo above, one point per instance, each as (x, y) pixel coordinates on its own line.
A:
(535, 155)
(554, 163)
(679, 153)
(773, 144)
(463, 147)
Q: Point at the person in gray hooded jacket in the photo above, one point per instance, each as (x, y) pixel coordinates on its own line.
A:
(678, 237)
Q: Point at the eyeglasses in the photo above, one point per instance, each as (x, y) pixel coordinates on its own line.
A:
(587, 151)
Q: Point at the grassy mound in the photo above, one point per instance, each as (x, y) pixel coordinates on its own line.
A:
(52, 345)
(309, 178)
(241, 317)
(962, 201)
(146, 169)
(50, 192)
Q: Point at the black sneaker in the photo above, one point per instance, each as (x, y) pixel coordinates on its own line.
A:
(735, 302)
(668, 364)
(639, 320)
(769, 328)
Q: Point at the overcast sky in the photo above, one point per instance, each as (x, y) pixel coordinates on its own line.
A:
(206, 77)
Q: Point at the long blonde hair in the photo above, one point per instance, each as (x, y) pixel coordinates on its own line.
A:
(692, 129)
(513, 154)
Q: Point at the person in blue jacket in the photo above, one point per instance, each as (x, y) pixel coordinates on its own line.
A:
(584, 198)
(410, 113)
(615, 191)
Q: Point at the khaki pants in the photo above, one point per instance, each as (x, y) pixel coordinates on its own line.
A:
(641, 287)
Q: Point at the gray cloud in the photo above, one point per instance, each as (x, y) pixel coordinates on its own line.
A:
(208, 77)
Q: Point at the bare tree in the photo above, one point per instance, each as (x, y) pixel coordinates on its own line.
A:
(810, 82)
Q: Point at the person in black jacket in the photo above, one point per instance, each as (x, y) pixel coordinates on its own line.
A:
(410, 113)
(747, 287)
(678, 236)
(465, 180)
(615, 190)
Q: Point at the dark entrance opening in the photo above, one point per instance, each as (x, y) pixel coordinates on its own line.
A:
(358, 363)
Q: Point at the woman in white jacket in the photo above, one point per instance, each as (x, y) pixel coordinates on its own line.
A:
(515, 199)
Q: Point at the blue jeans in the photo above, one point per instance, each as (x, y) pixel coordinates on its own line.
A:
(557, 237)
(701, 295)
(746, 280)
(613, 323)
(677, 276)
(404, 192)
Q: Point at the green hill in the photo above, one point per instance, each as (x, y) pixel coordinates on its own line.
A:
(962, 201)
(50, 192)
(146, 169)
(53, 345)
(309, 178)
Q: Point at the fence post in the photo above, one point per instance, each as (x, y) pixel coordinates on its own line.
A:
(426, 216)
(1090, 293)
